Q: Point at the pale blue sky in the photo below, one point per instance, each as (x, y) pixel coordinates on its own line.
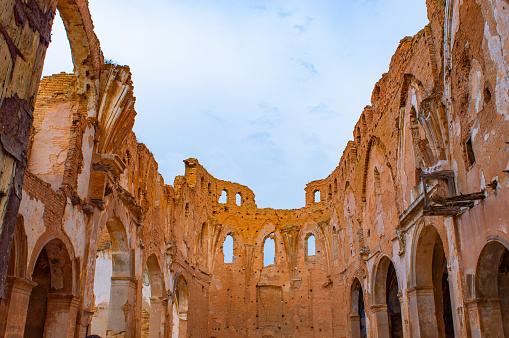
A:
(263, 93)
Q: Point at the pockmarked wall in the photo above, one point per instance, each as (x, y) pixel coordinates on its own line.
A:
(407, 237)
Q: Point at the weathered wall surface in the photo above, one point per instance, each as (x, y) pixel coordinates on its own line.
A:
(410, 230)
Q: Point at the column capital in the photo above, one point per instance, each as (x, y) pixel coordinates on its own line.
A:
(20, 285)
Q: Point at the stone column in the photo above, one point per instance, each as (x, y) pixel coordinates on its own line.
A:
(183, 325)
(381, 317)
(18, 293)
(61, 313)
(355, 326)
(422, 311)
(157, 316)
(121, 307)
(485, 318)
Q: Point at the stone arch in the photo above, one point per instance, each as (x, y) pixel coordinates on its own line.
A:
(13, 308)
(50, 306)
(430, 292)
(386, 304)
(180, 306)
(375, 141)
(492, 289)
(19, 83)
(358, 327)
(114, 287)
(19, 251)
(157, 311)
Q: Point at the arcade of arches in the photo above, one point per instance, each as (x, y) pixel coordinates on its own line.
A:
(407, 237)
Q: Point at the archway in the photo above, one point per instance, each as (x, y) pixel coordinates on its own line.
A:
(51, 310)
(114, 288)
(153, 287)
(430, 292)
(492, 290)
(358, 327)
(180, 307)
(13, 308)
(20, 70)
(386, 308)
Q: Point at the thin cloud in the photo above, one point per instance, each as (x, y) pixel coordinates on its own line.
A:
(305, 26)
(322, 110)
(309, 66)
(285, 14)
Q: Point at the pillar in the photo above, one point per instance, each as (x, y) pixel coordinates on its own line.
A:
(157, 316)
(61, 313)
(422, 311)
(381, 316)
(485, 318)
(355, 326)
(18, 295)
(121, 307)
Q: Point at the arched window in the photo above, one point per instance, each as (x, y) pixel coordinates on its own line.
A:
(269, 251)
(316, 196)
(311, 242)
(238, 199)
(335, 185)
(228, 249)
(330, 191)
(224, 197)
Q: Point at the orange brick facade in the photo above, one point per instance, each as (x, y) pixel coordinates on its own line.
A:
(411, 228)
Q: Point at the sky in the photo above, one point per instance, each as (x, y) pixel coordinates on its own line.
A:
(263, 93)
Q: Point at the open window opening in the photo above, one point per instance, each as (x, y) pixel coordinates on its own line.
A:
(470, 152)
(316, 196)
(228, 249)
(269, 251)
(238, 199)
(310, 248)
(224, 197)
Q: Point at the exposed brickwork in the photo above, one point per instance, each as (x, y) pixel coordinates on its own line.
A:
(410, 228)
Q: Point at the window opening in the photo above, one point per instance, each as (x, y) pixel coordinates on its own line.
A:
(238, 199)
(224, 197)
(311, 250)
(269, 251)
(228, 249)
(317, 196)
(470, 152)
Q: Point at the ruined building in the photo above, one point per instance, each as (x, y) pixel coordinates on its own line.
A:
(411, 228)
